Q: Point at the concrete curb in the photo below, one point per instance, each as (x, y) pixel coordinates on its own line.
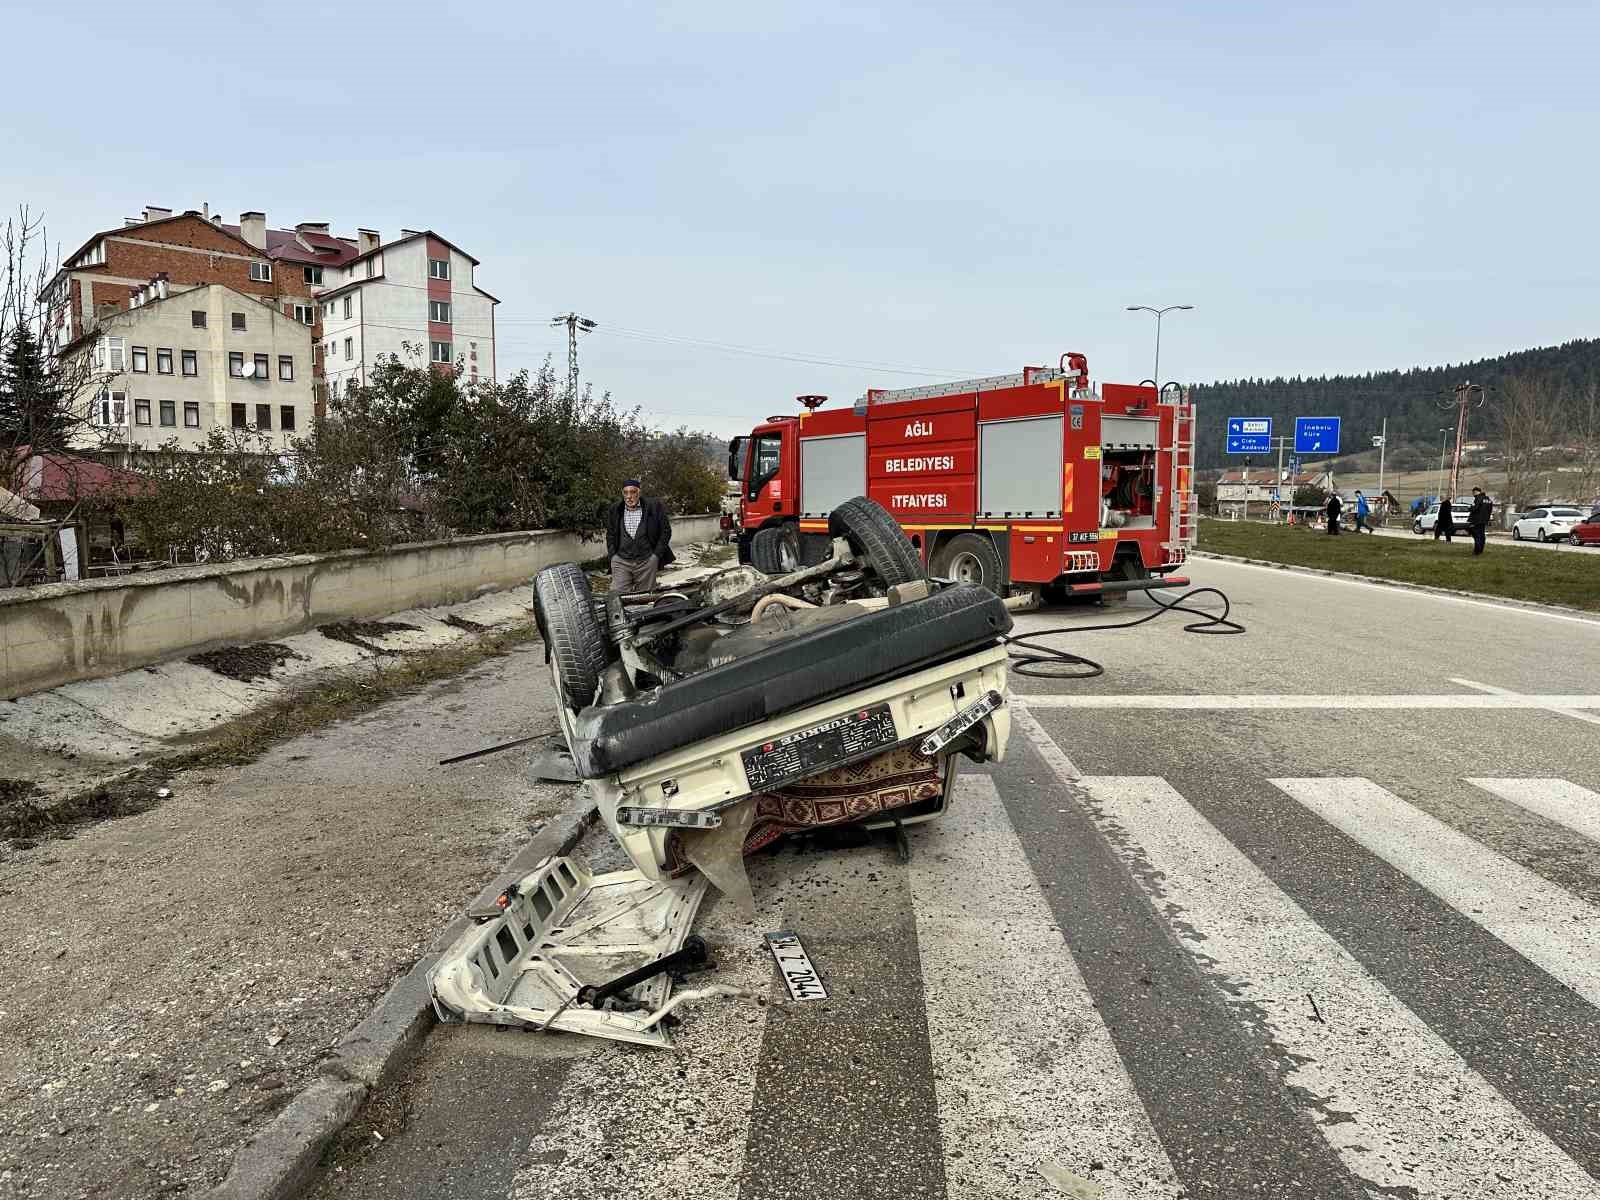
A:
(280, 1162)
(1506, 601)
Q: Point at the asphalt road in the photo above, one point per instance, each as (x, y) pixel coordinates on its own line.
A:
(1313, 911)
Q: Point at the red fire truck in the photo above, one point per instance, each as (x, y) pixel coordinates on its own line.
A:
(1034, 480)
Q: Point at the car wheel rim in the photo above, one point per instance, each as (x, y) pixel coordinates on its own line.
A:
(966, 568)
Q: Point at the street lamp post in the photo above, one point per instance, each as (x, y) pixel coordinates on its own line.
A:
(1159, 312)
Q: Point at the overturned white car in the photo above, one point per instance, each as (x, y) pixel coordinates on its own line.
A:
(709, 720)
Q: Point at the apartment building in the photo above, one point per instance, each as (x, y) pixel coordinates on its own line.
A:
(177, 362)
(412, 297)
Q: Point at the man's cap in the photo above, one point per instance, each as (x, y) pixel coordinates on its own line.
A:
(1478, 489)
(631, 483)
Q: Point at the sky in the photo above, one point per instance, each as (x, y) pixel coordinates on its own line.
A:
(902, 192)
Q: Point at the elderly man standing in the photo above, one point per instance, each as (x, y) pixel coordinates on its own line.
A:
(638, 540)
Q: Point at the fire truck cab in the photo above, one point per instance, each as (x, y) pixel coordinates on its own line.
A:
(1035, 480)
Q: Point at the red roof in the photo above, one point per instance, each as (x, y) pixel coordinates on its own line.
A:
(326, 250)
(55, 477)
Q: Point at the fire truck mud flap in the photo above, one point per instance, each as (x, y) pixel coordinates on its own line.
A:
(564, 939)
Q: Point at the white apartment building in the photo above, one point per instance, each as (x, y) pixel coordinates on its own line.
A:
(416, 291)
(178, 363)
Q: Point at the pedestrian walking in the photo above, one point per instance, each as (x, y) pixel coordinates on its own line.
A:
(1446, 524)
(1363, 511)
(638, 540)
(1478, 518)
(1334, 505)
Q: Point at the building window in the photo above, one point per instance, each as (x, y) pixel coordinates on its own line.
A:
(141, 359)
(306, 314)
(261, 272)
(263, 367)
(108, 354)
(169, 413)
(191, 364)
(239, 419)
(197, 318)
(238, 322)
(347, 308)
(372, 267)
(349, 348)
(263, 416)
(105, 408)
(141, 412)
(441, 352)
(163, 362)
(438, 268)
(236, 364)
(191, 414)
(119, 408)
(439, 310)
(286, 417)
(286, 367)
(314, 275)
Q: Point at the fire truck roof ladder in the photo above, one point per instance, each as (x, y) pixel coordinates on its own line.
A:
(989, 383)
(1184, 503)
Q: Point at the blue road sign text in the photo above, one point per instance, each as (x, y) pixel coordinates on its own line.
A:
(1249, 435)
(1316, 435)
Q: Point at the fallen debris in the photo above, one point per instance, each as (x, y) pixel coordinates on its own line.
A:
(1071, 1183)
(358, 633)
(245, 663)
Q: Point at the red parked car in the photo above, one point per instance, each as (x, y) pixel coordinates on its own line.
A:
(1587, 531)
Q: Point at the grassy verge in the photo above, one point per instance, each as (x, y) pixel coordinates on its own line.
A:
(1572, 580)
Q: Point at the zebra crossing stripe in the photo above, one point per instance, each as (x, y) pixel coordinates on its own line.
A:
(1336, 1031)
(1555, 799)
(1025, 1069)
(1545, 924)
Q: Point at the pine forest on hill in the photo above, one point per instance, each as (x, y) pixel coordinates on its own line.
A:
(1560, 382)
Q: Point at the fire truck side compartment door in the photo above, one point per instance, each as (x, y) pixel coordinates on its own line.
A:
(1019, 469)
(832, 470)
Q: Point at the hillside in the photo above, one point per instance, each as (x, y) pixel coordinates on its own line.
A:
(1408, 398)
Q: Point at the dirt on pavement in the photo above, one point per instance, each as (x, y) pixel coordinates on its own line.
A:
(173, 977)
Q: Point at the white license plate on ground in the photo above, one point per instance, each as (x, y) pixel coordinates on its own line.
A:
(799, 976)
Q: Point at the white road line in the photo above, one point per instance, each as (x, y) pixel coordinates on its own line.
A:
(1564, 803)
(1390, 1096)
(1025, 1069)
(1312, 576)
(1054, 756)
(1446, 700)
(1560, 711)
(1547, 925)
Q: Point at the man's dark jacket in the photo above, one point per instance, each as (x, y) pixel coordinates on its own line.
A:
(1482, 506)
(654, 536)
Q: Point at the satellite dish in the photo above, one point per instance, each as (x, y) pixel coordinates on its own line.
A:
(248, 370)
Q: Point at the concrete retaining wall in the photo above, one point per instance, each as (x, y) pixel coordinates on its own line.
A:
(67, 631)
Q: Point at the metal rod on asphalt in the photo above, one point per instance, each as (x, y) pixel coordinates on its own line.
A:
(532, 737)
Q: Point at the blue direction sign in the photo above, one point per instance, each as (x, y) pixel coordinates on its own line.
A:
(1249, 435)
(1316, 435)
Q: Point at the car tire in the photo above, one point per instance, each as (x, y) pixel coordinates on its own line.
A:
(1574, 539)
(1416, 527)
(969, 558)
(877, 537)
(563, 606)
(1544, 534)
(1516, 534)
(775, 550)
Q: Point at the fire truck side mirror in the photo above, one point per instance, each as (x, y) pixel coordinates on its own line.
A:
(735, 457)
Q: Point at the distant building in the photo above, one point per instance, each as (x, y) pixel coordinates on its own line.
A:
(419, 289)
(179, 362)
(1261, 485)
(416, 292)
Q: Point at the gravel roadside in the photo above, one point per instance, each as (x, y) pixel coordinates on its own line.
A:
(173, 977)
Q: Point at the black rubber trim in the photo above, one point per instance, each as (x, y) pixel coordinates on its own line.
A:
(812, 667)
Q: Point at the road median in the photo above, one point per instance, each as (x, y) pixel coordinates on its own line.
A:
(1501, 573)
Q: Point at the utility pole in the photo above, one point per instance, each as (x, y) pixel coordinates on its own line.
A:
(575, 325)
(1462, 399)
(1382, 441)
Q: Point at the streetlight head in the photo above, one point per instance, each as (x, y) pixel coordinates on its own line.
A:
(1136, 308)
(1184, 307)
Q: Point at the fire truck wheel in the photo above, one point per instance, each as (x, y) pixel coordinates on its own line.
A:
(574, 641)
(969, 559)
(877, 537)
(775, 550)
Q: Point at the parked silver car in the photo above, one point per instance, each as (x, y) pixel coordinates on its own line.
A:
(1425, 521)
(1551, 524)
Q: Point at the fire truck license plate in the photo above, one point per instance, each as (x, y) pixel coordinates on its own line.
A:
(796, 755)
(794, 964)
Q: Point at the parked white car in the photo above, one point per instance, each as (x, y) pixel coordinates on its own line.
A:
(1425, 522)
(1546, 524)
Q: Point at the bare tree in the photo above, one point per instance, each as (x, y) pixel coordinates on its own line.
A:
(1584, 427)
(1527, 414)
(44, 401)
